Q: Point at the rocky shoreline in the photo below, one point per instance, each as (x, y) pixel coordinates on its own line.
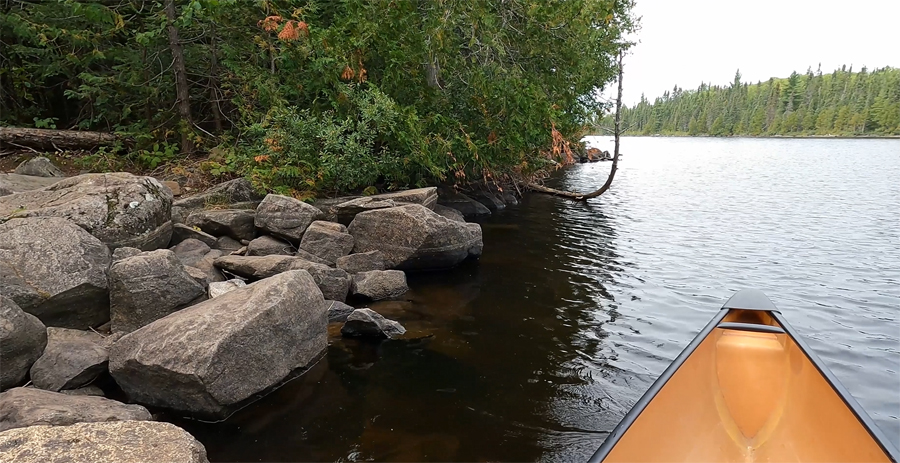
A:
(197, 306)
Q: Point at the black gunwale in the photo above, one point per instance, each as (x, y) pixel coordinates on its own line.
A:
(660, 382)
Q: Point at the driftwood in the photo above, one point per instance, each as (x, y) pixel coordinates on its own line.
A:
(615, 160)
(47, 139)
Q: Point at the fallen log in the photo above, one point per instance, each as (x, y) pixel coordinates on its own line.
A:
(48, 139)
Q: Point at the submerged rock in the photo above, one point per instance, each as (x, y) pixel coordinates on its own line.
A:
(413, 237)
(22, 340)
(54, 270)
(21, 407)
(369, 323)
(117, 441)
(148, 287)
(120, 209)
(285, 217)
(379, 284)
(211, 357)
(72, 359)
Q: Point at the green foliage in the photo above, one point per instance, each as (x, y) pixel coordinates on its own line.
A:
(843, 103)
(307, 95)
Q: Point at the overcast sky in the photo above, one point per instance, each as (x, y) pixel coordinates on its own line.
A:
(686, 42)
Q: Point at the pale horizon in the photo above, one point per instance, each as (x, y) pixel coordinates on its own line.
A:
(689, 42)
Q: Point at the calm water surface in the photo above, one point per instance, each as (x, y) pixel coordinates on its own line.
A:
(538, 350)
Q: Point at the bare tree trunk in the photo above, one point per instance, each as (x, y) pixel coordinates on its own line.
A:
(182, 91)
(612, 172)
(47, 139)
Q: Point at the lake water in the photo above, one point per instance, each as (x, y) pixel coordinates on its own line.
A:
(539, 349)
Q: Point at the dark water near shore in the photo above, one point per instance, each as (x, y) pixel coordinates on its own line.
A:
(538, 350)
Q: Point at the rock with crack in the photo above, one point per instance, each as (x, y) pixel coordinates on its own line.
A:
(327, 240)
(347, 211)
(285, 217)
(239, 344)
(148, 287)
(379, 284)
(55, 270)
(39, 167)
(224, 194)
(414, 237)
(267, 246)
(369, 323)
(234, 223)
(26, 406)
(116, 441)
(220, 288)
(22, 340)
(338, 311)
(334, 283)
(120, 209)
(181, 232)
(361, 262)
(72, 358)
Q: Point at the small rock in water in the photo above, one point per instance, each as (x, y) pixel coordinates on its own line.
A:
(219, 288)
(338, 311)
(369, 323)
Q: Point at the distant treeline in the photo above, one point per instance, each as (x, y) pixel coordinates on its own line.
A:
(843, 103)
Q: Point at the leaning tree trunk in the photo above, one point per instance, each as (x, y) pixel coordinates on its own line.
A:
(182, 91)
(49, 140)
(617, 131)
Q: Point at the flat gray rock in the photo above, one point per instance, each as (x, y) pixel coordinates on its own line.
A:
(327, 240)
(413, 237)
(147, 287)
(369, 323)
(379, 284)
(55, 270)
(285, 217)
(224, 194)
(120, 209)
(181, 232)
(117, 441)
(22, 340)
(346, 211)
(234, 223)
(209, 358)
(268, 246)
(39, 167)
(72, 358)
(15, 183)
(334, 283)
(361, 262)
(27, 406)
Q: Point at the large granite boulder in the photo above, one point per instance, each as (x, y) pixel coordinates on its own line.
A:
(115, 441)
(327, 240)
(22, 340)
(285, 217)
(207, 359)
(28, 406)
(148, 287)
(39, 167)
(235, 223)
(267, 246)
(369, 323)
(333, 282)
(224, 194)
(72, 359)
(55, 270)
(413, 237)
(361, 262)
(379, 284)
(469, 208)
(120, 209)
(346, 211)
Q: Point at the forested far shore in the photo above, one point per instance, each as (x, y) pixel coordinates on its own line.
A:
(843, 103)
